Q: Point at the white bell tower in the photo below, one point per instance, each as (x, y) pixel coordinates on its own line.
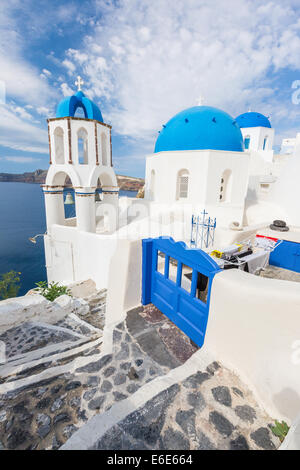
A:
(80, 155)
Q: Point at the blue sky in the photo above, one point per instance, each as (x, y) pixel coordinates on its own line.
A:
(142, 61)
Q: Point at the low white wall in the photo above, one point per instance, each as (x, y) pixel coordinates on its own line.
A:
(15, 311)
(73, 255)
(34, 307)
(125, 279)
(254, 326)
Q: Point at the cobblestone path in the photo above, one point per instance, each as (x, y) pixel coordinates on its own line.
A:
(211, 409)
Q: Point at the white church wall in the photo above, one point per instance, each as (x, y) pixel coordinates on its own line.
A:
(286, 191)
(167, 166)
(227, 170)
(205, 168)
(257, 137)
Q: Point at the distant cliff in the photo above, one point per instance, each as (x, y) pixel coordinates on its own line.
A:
(37, 176)
(127, 183)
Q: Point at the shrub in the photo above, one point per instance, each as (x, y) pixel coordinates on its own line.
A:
(280, 430)
(9, 285)
(52, 291)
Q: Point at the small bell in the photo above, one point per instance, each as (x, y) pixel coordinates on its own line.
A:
(97, 197)
(69, 199)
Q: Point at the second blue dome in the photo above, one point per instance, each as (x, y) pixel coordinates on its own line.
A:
(252, 119)
(200, 128)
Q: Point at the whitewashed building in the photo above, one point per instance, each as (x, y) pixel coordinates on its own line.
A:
(203, 159)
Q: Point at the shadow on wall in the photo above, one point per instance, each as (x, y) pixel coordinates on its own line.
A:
(287, 399)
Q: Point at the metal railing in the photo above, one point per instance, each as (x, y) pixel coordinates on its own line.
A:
(202, 231)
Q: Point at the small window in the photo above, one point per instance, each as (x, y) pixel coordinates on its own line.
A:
(247, 142)
(173, 264)
(182, 184)
(82, 137)
(265, 143)
(152, 185)
(202, 287)
(225, 186)
(160, 265)
(186, 279)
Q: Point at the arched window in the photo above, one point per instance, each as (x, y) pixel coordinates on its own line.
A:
(104, 149)
(225, 187)
(82, 137)
(152, 185)
(265, 142)
(59, 146)
(247, 142)
(182, 184)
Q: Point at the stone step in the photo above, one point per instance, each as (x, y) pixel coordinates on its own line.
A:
(36, 371)
(42, 356)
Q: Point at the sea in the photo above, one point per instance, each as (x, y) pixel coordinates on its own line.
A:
(22, 215)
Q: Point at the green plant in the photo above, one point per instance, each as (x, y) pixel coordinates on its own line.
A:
(280, 430)
(9, 284)
(52, 291)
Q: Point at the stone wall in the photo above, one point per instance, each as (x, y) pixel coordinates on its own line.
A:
(17, 310)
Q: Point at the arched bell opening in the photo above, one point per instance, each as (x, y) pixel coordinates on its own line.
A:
(98, 192)
(101, 218)
(106, 206)
(68, 200)
(83, 145)
(59, 146)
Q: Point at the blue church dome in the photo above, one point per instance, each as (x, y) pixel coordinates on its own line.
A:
(200, 128)
(68, 107)
(252, 119)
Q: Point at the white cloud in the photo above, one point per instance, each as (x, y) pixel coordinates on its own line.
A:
(43, 111)
(22, 112)
(22, 79)
(148, 60)
(19, 134)
(67, 91)
(45, 74)
(20, 159)
(69, 66)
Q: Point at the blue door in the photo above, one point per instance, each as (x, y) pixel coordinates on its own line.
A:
(178, 280)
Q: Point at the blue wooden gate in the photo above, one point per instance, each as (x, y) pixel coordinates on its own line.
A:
(178, 280)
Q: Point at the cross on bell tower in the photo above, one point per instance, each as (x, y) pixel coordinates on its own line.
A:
(79, 82)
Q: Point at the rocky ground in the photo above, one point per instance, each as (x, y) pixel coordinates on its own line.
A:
(203, 412)
(210, 409)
